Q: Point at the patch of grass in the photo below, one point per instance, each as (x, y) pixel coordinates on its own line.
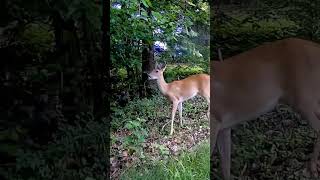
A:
(189, 165)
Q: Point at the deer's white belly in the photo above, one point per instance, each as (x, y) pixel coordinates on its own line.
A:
(189, 97)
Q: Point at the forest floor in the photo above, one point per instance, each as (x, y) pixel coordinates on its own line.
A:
(158, 145)
(276, 146)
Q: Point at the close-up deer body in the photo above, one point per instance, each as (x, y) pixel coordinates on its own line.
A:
(252, 83)
(181, 90)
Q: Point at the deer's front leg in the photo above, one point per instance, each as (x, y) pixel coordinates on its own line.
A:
(214, 131)
(315, 156)
(208, 113)
(311, 113)
(224, 146)
(173, 113)
(180, 113)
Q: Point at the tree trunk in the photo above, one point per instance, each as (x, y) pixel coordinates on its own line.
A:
(102, 76)
(69, 57)
(214, 15)
(215, 22)
(148, 64)
(4, 16)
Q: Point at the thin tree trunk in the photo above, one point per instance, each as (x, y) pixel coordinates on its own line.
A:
(4, 15)
(102, 105)
(148, 64)
(102, 76)
(214, 24)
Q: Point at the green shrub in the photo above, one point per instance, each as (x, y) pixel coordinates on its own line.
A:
(122, 73)
(37, 38)
(237, 37)
(134, 119)
(138, 135)
(146, 108)
(181, 72)
(77, 152)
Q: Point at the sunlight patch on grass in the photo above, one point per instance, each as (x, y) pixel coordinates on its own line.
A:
(191, 165)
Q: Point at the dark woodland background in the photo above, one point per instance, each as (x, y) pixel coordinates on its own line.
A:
(54, 76)
(57, 84)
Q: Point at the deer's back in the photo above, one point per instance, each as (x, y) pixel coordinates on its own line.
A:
(252, 82)
(191, 86)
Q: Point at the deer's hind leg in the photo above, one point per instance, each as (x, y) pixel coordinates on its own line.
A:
(315, 123)
(224, 146)
(207, 97)
(310, 110)
(180, 113)
(173, 113)
(214, 133)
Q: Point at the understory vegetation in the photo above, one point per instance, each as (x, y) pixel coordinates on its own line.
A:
(58, 83)
(277, 146)
(193, 164)
(172, 32)
(139, 137)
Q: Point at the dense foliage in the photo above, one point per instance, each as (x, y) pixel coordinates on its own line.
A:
(237, 26)
(51, 125)
(53, 119)
(240, 28)
(169, 29)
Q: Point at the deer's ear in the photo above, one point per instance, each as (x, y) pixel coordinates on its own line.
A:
(164, 67)
(156, 66)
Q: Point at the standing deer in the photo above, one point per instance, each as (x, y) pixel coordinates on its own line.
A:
(179, 91)
(252, 83)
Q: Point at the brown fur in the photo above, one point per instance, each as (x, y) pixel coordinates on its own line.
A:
(252, 83)
(181, 90)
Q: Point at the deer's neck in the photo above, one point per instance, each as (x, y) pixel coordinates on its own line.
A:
(163, 86)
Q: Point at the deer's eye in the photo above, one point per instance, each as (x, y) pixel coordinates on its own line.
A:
(157, 71)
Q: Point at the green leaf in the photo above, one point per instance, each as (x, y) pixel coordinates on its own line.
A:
(141, 119)
(157, 15)
(10, 149)
(89, 178)
(9, 135)
(128, 126)
(149, 3)
(190, 3)
(144, 2)
(144, 13)
(174, 38)
(135, 123)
